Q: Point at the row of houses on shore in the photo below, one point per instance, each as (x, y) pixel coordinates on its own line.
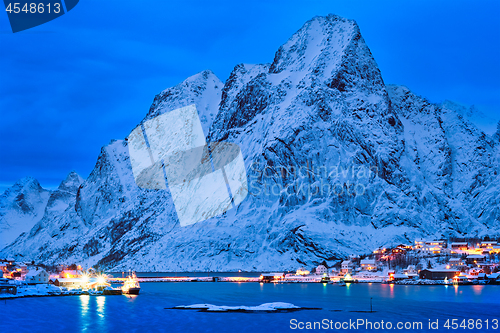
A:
(25, 271)
(31, 274)
(442, 246)
(471, 259)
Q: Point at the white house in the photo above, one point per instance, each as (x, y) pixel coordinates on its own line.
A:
(320, 270)
(37, 276)
(411, 269)
(347, 266)
(488, 244)
(435, 246)
(454, 262)
(475, 258)
(463, 246)
(368, 265)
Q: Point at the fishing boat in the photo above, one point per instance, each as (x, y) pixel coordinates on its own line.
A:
(131, 286)
(349, 279)
(112, 291)
(325, 279)
(461, 280)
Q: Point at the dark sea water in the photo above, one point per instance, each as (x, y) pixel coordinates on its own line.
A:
(147, 313)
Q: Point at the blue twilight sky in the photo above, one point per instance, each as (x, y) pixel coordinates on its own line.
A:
(70, 86)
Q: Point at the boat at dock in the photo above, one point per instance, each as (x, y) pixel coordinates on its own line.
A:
(131, 286)
(461, 280)
(112, 291)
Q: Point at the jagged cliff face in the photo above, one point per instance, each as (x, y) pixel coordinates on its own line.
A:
(453, 166)
(337, 163)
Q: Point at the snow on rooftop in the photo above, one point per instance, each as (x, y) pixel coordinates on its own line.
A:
(368, 262)
(34, 272)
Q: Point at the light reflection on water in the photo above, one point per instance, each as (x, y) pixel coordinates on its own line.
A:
(84, 301)
(101, 312)
(100, 305)
(84, 310)
(477, 289)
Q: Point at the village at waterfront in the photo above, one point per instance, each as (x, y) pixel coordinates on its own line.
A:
(426, 262)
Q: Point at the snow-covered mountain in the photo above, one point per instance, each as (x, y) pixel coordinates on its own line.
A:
(21, 206)
(337, 163)
(26, 207)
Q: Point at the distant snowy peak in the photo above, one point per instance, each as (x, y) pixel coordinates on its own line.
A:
(26, 203)
(23, 196)
(71, 183)
(474, 115)
(203, 89)
(471, 115)
(61, 198)
(21, 206)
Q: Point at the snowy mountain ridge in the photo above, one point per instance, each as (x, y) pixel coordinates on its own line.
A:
(397, 168)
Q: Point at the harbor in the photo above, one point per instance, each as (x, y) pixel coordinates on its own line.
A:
(426, 262)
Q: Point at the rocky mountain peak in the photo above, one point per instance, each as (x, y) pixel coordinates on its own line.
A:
(25, 184)
(71, 183)
(202, 89)
(21, 206)
(21, 191)
(320, 40)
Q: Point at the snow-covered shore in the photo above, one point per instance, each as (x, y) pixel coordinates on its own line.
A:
(266, 307)
(43, 290)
